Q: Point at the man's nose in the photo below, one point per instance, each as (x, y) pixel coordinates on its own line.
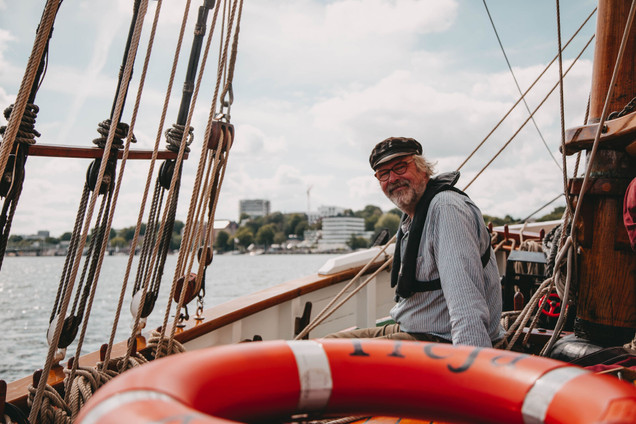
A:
(393, 176)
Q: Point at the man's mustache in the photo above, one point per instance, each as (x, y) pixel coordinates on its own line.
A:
(392, 186)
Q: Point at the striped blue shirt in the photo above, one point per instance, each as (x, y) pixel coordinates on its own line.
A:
(467, 310)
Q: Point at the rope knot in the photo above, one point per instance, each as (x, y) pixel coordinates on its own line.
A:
(174, 136)
(26, 132)
(121, 132)
(53, 409)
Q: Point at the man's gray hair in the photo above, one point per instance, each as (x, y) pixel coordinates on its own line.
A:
(424, 165)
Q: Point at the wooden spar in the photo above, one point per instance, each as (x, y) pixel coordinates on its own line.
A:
(52, 150)
(606, 306)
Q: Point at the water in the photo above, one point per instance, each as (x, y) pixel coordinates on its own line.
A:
(28, 286)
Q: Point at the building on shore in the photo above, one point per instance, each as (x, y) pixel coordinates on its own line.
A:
(254, 207)
(337, 231)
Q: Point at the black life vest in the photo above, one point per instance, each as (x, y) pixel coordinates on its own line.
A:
(403, 275)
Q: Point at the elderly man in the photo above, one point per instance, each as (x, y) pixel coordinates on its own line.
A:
(444, 271)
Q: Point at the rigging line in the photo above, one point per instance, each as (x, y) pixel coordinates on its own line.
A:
(534, 122)
(120, 176)
(601, 123)
(318, 318)
(526, 92)
(149, 177)
(188, 229)
(152, 230)
(179, 160)
(205, 194)
(39, 45)
(542, 207)
(196, 234)
(120, 100)
(562, 104)
(106, 224)
(175, 136)
(532, 114)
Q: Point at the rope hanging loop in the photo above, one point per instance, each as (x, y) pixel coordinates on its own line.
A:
(26, 131)
(121, 133)
(174, 136)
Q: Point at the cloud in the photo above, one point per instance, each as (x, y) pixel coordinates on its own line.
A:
(317, 84)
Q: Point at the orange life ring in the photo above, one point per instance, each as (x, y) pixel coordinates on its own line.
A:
(269, 381)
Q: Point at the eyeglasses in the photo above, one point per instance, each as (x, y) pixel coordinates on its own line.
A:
(398, 169)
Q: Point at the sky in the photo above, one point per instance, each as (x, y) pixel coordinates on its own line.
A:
(317, 85)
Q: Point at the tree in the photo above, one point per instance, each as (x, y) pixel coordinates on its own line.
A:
(222, 241)
(118, 241)
(370, 214)
(389, 221)
(499, 221)
(178, 226)
(557, 213)
(265, 234)
(66, 236)
(244, 236)
(276, 218)
(175, 241)
(280, 237)
(396, 211)
(357, 242)
(253, 224)
(292, 223)
(300, 228)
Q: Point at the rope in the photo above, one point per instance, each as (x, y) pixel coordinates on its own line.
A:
(325, 313)
(160, 347)
(121, 132)
(562, 104)
(528, 119)
(85, 381)
(174, 136)
(176, 171)
(343, 420)
(26, 130)
(542, 207)
(117, 113)
(195, 200)
(117, 188)
(604, 113)
(39, 46)
(524, 94)
(51, 410)
(536, 126)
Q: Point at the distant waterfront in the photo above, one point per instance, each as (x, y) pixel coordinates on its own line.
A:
(28, 286)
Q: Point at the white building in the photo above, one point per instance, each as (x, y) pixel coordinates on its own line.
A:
(254, 207)
(325, 211)
(337, 231)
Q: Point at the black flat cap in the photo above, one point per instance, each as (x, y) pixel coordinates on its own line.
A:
(393, 147)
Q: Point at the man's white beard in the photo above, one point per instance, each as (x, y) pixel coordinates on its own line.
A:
(404, 198)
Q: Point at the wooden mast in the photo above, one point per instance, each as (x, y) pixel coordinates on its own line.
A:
(606, 306)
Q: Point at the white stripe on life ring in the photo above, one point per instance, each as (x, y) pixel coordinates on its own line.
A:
(536, 403)
(314, 373)
(121, 399)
